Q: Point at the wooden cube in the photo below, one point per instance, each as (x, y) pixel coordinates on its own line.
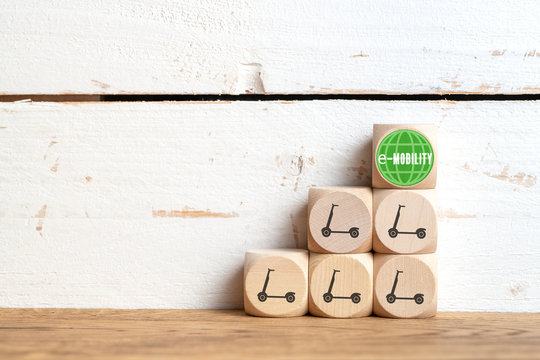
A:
(276, 282)
(404, 156)
(405, 221)
(405, 285)
(341, 286)
(340, 219)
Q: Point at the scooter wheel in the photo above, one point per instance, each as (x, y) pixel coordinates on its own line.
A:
(421, 234)
(326, 232)
(354, 232)
(262, 297)
(290, 297)
(327, 297)
(392, 233)
(419, 299)
(355, 298)
(391, 298)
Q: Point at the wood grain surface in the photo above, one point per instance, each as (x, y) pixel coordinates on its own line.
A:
(352, 212)
(153, 205)
(415, 214)
(415, 277)
(288, 282)
(299, 46)
(182, 334)
(341, 285)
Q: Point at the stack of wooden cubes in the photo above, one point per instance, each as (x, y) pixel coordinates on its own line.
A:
(340, 276)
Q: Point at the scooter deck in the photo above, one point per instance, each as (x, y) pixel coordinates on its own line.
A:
(404, 298)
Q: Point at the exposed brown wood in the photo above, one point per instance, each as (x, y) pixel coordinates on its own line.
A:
(57, 98)
(218, 334)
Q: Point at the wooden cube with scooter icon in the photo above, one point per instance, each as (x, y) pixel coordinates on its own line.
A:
(405, 286)
(405, 221)
(341, 285)
(276, 282)
(340, 219)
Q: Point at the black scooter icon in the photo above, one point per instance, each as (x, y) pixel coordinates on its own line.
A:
(393, 232)
(391, 298)
(326, 231)
(262, 296)
(328, 297)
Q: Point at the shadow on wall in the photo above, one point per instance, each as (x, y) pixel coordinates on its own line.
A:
(355, 172)
(299, 226)
(359, 167)
(233, 282)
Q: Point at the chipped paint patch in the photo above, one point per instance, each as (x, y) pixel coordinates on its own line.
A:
(249, 79)
(188, 212)
(88, 178)
(488, 88)
(453, 83)
(452, 214)
(361, 54)
(293, 164)
(530, 88)
(498, 52)
(51, 144)
(517, 288)
(296, 184)
(519, 178)
(531, 53)
(101, 84)
(40, 215)
(298, 163)
(42, 212)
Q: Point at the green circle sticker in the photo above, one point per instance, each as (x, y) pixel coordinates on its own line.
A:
(404, 157)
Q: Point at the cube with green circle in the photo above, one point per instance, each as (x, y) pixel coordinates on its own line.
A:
(404, 156)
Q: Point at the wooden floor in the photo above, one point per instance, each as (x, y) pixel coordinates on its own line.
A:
(216, 334)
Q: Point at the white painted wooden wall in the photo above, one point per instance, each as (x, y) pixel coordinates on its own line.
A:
(152, 205)
(279, 46)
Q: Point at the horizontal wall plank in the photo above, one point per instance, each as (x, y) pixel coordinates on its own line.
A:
(285, 46)
(152, 205)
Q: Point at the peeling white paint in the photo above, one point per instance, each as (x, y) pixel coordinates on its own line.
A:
(297, 46)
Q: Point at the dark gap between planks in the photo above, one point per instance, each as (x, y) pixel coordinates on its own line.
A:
(309, 97)
(272, 97)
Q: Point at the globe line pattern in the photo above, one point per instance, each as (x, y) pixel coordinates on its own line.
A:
(409, 142)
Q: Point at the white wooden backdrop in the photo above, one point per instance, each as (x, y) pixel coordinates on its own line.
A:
(279, 46)
(152, 205)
